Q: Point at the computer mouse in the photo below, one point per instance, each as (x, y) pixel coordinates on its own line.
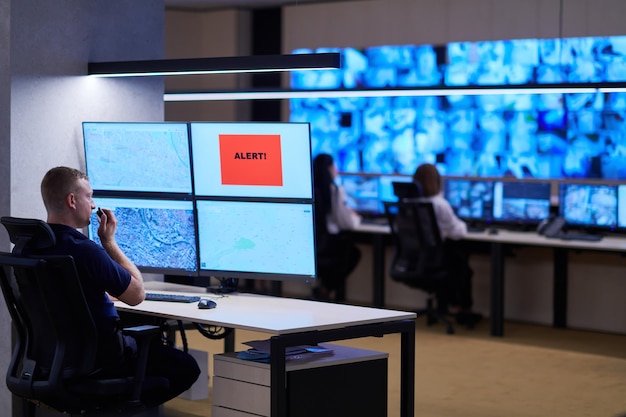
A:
(493, 231)
(206, 303)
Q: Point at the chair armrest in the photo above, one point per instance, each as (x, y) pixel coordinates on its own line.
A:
(142, 332)
(143, 335)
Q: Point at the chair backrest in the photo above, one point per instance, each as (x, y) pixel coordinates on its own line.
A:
(56, 335)
(418, 259)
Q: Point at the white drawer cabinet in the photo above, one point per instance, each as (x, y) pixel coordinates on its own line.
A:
(349, 382)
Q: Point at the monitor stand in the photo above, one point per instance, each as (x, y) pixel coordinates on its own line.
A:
(227, 286)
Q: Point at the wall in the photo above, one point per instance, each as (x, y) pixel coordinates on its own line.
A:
(5, 174)
(199, 35)
(45, 95)
(595, 280)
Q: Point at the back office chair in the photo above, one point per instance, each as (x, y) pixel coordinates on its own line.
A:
(418, 257)
(54, 356)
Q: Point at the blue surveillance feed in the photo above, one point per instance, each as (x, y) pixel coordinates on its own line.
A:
(589, 205)
(470, 200)
(540, 136)
(142, 157)
(157, 235)
(521, 202)
(361, 192)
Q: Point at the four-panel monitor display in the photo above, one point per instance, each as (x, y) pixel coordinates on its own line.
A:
(227, 200)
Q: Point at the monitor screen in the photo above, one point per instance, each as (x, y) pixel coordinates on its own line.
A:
(621, 206)
(156, 235)
(521, 202)
(540, 136)
(265, 160)
(470, 199)
(265, 240)
(588, 205)
(143, 157)
(362, 192)
(385, 186)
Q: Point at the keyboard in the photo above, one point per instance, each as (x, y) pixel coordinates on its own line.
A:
(175, 298)
(587, 237)
(476, 229)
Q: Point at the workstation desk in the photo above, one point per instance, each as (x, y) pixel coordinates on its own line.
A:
(497, 244)
(295, 322)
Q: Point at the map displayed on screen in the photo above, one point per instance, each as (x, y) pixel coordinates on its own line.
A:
(147, 157)
(258, 237)
(153, 234)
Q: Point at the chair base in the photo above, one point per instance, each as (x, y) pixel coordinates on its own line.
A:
(434, 316)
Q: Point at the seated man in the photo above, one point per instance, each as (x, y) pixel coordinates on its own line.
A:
(106, 271)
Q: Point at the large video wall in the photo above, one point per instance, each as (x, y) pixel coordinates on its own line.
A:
(548, 136)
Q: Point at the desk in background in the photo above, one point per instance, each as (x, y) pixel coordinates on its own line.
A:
(298, 322)
(497, 243)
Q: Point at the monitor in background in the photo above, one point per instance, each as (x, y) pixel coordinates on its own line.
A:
(257, 240)
(157, 235)
(386, 188)
(139, 157)
(362, 193)
(589, 206)
(472, 200)
(621, 207)
(262, 160)
(523, 203)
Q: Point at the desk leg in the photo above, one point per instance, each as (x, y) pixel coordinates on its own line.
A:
(497, 289)
(407, 372)
(559, 296)
(378, 268)
(229, 342)
(278, 377)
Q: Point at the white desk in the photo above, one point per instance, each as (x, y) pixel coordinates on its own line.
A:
(498, 242)
(296, 322)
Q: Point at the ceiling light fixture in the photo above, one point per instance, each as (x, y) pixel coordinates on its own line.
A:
(219, 65)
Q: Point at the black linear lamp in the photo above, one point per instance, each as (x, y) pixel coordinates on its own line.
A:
(221, 65)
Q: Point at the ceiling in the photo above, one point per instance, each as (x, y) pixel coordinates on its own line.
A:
(229, 4)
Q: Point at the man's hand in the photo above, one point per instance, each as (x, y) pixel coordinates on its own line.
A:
(107, 227)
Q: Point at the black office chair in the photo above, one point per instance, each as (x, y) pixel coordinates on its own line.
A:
(54, 356)
(418, 257)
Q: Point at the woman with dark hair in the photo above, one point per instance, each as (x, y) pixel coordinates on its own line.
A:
(458, 293)
(336, 254)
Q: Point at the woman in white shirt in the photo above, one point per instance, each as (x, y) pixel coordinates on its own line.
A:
(336, 253)
(459, 294)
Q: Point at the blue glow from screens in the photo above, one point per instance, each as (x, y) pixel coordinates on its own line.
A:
(547, 136)
(589, 205)
(256, 237)
(521, 202)
(470, 199)
(143, 157)
(156, 235)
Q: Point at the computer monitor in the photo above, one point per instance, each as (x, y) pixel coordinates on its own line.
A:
(138, 157)
(362, 193)
(157, 235)
(256, 240)
(253, 160)
(589, 206)
(386, 187)
(621, 207)
(471, 200)
(521, 202)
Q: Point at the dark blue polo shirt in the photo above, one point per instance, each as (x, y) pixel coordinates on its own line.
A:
(98, 273)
